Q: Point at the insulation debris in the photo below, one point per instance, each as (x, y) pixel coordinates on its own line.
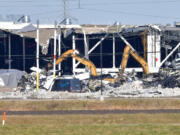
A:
(164, 84)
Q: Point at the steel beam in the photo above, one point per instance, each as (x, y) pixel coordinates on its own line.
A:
(86, 47)
(9, 52)
(37, 56)
(74, 48)
(59, 47)
(54, 64)
(170, 54)
(114, 52)
(96, 45)
(24, 53)
(126, 42)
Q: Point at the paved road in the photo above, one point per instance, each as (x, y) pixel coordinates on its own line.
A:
(78, 112)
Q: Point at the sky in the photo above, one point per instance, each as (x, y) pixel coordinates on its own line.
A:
(135, 12)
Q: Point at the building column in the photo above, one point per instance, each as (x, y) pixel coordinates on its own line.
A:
(114, 52)
(86, 48)
(9, 52)
(24, 53)
(54, 55)
(37, 56)
(74, 48)
(59, 48)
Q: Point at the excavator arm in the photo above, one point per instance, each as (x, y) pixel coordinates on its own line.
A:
(125, 58)
(73, 53)
(127, 51)
(62, 57)
(87, 63)
(141, 61)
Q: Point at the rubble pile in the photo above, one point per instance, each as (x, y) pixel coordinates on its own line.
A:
(136, 89)
(164, 84)
(28, 82)
(166, 79)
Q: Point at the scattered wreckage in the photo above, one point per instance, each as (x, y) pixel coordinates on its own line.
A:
(167, 78)
(94, 83)
(164, 84)
(122, 84)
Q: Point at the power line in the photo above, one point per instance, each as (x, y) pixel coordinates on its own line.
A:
(24, 1)
(15, 1)
(125, 3)
(130, 13)
(83, 4)
(44, 13)
(30, 1)
(45, 5)
(30, 6)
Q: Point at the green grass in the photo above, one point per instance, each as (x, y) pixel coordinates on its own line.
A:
(147, 129)
(90, 104)
(124, 124)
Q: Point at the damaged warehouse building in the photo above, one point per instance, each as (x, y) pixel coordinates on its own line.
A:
(103, 45)
(152, 42)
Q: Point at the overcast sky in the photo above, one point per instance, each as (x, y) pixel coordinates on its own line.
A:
(96, 11)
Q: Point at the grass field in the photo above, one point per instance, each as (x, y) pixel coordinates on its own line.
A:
(109, 124)
(131, 104)
(131, 124)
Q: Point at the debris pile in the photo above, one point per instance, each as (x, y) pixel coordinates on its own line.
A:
(28, 82)
(136, 89)
(164, 84)
(166, 79)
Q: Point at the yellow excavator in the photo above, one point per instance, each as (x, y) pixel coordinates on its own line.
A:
(87, 63)
(130, 50)
(74, 54)
(93, 84)
(127, 51)
(92, 67)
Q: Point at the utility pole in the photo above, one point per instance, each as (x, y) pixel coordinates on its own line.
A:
(101, 61)
(55, 36)
(37, 56)
(79, 4)
(65, 8)
(9, 53)
(65, 4)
